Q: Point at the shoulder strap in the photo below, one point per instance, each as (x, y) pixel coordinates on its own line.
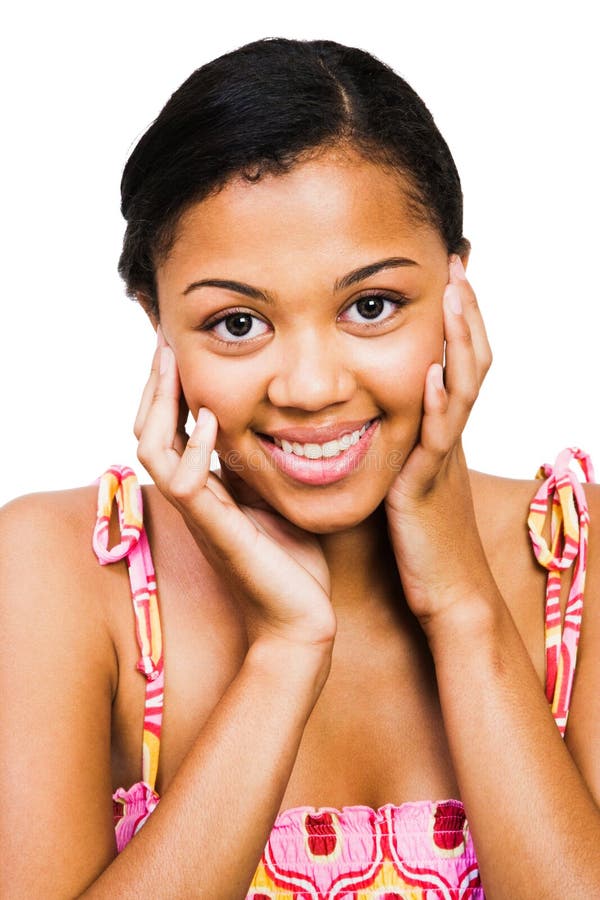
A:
(119, 483)
(563, 493)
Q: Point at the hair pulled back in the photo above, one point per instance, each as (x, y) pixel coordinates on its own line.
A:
(260, 109)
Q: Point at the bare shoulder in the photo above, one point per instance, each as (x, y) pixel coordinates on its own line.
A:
(59, 673)
(51, 530)
(71, 504)
(496, 495)
(502, 507)
(583, 730)
(51, 585)
(48, 538)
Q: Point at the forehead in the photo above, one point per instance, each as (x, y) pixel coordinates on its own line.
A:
(328, 211)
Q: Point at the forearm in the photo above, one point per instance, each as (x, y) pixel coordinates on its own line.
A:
(206, 837)
(535, 825)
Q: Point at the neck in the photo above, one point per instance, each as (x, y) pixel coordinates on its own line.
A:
(363, 571)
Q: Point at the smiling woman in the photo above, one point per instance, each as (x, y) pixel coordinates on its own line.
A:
(351, 617)
(341, 322)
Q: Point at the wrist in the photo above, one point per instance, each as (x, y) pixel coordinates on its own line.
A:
(469, 615)
(291, 665)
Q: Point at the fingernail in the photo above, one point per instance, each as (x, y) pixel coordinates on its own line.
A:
(458, 270)
(453, 299)
(203, 417)
(437, 376)
(160, 338)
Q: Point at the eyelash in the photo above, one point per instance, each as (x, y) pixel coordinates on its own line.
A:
(398, 301)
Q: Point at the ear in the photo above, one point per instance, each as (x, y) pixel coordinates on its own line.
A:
(149, 308)
(466, 253)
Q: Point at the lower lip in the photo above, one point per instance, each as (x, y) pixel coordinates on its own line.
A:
(321, 471)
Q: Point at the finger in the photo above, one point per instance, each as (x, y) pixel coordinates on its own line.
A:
(210, 511)
(448, 394)
(472, 313)
(438, 433)
(461, 379)
(193, 469)
(147, 394)
(435, 398)
(181, 435)
(158, 437)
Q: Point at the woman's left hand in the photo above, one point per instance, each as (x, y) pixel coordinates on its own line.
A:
(429, 507)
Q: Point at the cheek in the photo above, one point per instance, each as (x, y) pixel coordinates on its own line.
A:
(225, 390)
(196, 382)
(397, 371)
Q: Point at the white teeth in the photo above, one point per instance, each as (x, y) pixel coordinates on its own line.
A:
(331, 448)
(327, 450)
(313, 451)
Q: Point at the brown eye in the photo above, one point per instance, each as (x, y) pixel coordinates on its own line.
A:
(373, 309)
(239, 324)
(370, 307)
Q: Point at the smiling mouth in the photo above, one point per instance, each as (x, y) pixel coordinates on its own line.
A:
(327, 450)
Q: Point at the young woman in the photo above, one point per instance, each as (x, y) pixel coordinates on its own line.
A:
(367, 676)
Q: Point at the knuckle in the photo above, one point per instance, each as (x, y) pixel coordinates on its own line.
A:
(464, 336)
(181, 489)
(197, 456)
(470, 290)
(138, 426)
(468, 394)
(143, 452)
(472, 396)
(439, 444)
(471, 299)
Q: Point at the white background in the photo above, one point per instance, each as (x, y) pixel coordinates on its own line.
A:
(513, 88)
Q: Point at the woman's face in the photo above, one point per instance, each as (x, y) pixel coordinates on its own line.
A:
(302, 308)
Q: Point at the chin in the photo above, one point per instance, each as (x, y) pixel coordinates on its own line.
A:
(326, 515)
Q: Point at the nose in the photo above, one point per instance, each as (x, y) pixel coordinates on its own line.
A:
(312, 373)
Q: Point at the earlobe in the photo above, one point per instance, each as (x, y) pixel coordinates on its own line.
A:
(465, 252)
(149, 308)
(463, 256)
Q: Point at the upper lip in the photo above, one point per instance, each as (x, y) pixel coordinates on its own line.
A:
(319, 434)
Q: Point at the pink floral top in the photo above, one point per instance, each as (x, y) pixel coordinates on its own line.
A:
(420, 850)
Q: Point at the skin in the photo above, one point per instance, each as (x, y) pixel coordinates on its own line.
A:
(313, 361)
(313, 220)
(303, 573)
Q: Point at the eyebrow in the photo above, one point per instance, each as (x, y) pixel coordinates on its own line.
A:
(392, 262)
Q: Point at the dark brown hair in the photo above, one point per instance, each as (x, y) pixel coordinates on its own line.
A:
(260, 109)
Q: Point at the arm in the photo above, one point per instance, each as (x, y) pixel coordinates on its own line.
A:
(57, 678)
(209, 830)
(535, 823)
(58, 675)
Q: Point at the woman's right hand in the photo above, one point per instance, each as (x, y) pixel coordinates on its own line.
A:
(276, 571)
